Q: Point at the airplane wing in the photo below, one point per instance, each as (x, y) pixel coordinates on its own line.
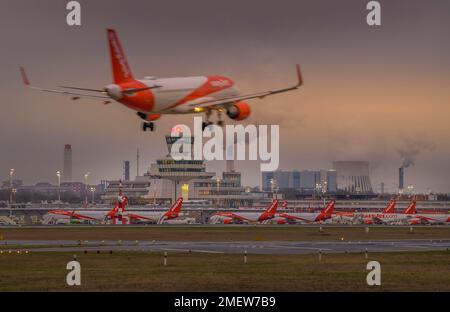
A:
(74, 95)
(258, 95)
(294, 218)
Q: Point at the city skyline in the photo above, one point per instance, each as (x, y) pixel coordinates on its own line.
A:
(373, 94)
(127, 166)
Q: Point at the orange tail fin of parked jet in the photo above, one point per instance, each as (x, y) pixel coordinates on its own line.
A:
(270, 212)
(327, 212)
(390, 208)
(174, 211)
(411, 209)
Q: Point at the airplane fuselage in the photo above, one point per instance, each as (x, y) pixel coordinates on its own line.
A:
(171, 95)
(301, 217)
(239, 217)
(431, 218)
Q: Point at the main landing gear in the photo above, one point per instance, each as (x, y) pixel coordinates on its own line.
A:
(207, 123)
(148, 125)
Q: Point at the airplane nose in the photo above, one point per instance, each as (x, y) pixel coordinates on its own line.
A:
(114, 91)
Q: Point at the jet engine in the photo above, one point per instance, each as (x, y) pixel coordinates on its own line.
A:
(239, 111)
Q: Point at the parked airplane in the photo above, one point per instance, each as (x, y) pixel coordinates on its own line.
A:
(306, 217)
(246, 217)
(153, 97)
(343, 216)
(60, 216)
(387, 217)
(429, 218)
(158, 217)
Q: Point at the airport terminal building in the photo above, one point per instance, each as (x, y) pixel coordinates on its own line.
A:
(168, 179)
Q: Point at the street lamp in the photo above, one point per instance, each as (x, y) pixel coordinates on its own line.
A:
(273, 187)
(93, 193)
(217, 189)
(11, 173)
(14, 191)
(86, 175)
(58, 175)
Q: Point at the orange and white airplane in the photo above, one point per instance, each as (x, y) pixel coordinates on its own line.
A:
(60, 216)
(153, 97)
(429, 218)
(306, 217)
(340, 216)
(388, 215)
(154, 217)
(245, 217)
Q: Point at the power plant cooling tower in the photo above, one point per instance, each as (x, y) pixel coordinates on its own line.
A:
(353, 176)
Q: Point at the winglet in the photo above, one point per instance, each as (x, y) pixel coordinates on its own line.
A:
(24, 76)
(299, 76)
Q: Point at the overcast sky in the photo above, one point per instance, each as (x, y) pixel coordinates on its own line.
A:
(370, 93)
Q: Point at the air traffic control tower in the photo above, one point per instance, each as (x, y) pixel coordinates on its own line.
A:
(179, 171)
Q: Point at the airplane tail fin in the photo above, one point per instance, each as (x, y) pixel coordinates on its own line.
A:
(390, 208)
(176, 207)
(121, 70)
(329, 208)
(112, 213)
(272, 208)
(411, 208)
(173, 212)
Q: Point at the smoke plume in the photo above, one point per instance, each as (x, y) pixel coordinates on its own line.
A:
(412, 149)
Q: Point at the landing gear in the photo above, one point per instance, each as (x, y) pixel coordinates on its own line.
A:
(206, 124)
(220, 122)
(142, 115)
(148, 125)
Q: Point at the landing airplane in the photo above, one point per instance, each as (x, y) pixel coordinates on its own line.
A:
(246, 217)
(306, 217)
(153, 97)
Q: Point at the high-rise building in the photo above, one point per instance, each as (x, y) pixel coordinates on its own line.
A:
(126, 170)
(304, 180)
(67, 171)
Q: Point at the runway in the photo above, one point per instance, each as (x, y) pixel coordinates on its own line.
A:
(265, 247)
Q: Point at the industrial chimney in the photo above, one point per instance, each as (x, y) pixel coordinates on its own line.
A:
(67, 170)
(401, 174)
